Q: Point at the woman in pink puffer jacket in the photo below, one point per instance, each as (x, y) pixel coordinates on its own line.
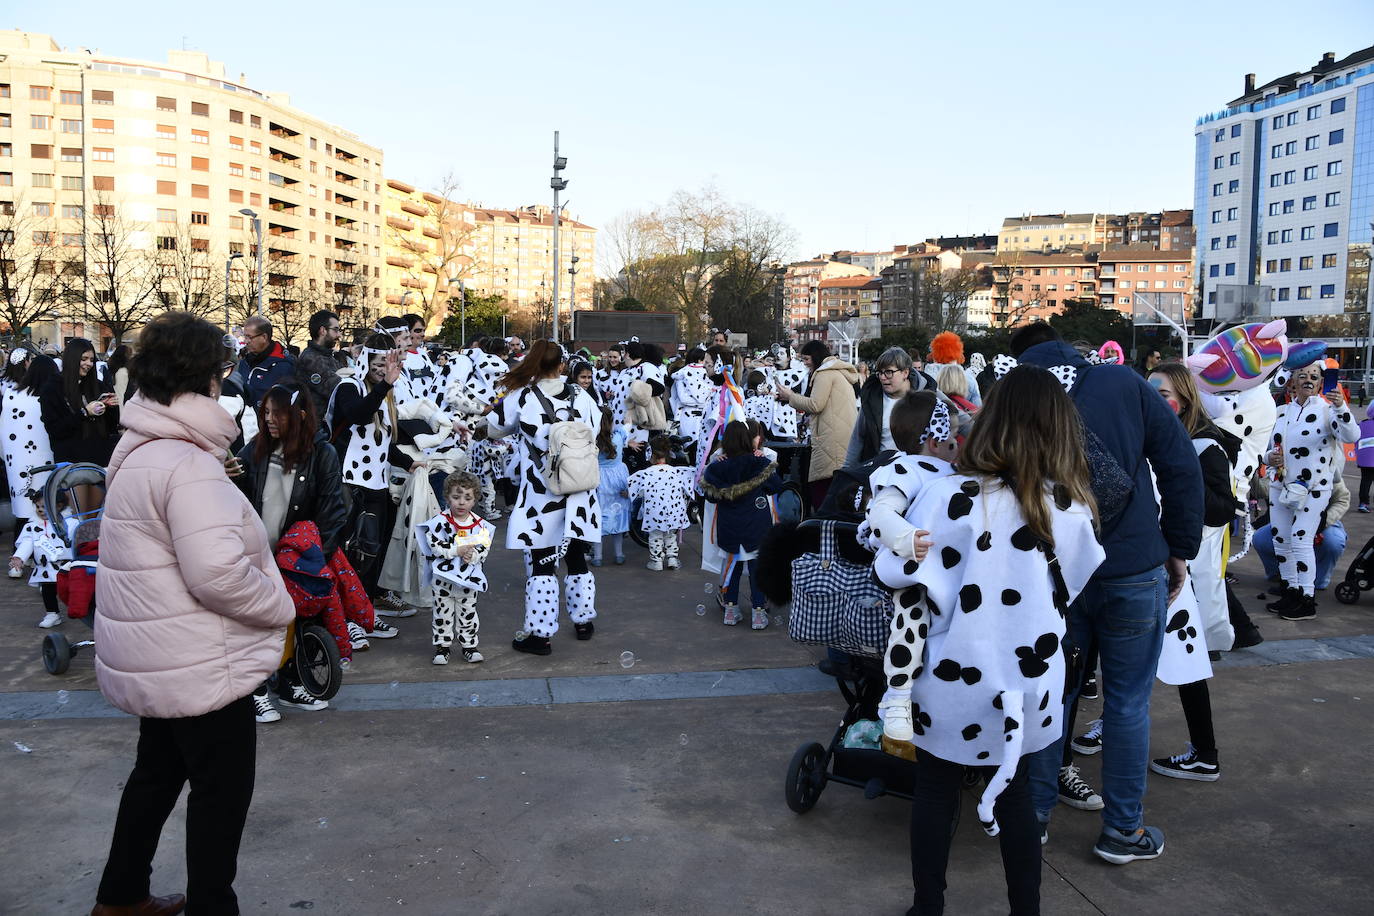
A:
(191, 619)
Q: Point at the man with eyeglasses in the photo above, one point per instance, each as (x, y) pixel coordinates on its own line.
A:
(265, 362)
(319, 363)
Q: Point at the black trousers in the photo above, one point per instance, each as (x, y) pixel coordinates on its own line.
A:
(575, 560)
(1366, 478)
(935, 801)
(49, 592)
(379, 503)
(216, 753)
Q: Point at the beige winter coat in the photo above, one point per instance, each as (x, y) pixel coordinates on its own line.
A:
(644, 410)
(833, 408)
(191, 608)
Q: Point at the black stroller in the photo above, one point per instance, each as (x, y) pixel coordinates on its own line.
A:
(80, 534)
(1359, 577)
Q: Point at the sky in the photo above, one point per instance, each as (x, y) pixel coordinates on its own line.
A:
(860, 125)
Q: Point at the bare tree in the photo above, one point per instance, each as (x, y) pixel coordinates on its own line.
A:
(112, 274)
(29, 287)
(190, 280)
(444, 256)
(941, 297)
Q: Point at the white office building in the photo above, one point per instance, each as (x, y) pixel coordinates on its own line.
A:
(1284, 189)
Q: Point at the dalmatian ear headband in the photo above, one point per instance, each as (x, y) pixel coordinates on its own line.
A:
(1067, 375)
(938, 429)
(282, 388)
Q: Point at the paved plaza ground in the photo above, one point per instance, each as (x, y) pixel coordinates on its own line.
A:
(573, 785)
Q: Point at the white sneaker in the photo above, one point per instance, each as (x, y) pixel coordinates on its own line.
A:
(672, 563)
(15, 573)
(300, 699)
(732, 615)
(389, 605)
(655, 565)
(382, 630)
(896, 716)
(758, 619)
(264, 710)
(357, 636)
(473, 656)
(440, 655)
(50, 620)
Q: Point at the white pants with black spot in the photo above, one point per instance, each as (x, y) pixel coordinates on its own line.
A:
(486, 505)
(1293, 539)
(906, 638)
(541, 589)
(454, 607)
(662, 545)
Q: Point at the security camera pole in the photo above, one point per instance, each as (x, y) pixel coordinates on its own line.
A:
(558, 183)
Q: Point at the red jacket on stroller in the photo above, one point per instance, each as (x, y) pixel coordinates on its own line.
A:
(320, 587)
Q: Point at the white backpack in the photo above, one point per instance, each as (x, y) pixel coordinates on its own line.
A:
(570, 464)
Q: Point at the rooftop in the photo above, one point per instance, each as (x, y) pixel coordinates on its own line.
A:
(1315, 74)
(1013, 221)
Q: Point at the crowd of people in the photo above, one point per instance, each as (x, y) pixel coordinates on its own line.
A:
(1075, 511)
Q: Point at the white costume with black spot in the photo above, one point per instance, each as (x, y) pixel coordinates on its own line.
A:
(39, 543)
(1248, 415)
(366, 461)
(644, 372)
(420, 372)
(980, 623)
(665, 491)
(26, 445)
(484, 383)
(1310, 435)
(456, 582)
(895, 486)
(786, 421)
(692, 395)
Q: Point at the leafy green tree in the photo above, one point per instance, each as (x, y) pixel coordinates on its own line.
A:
(1084, 320)
(483, 314)
(628, 304)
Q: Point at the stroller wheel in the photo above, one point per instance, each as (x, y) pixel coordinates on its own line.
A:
(317, 661)
(1347, 592)
(57, 653)
(806, 778)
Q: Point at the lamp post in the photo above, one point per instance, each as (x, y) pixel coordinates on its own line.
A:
(257, 231)
(228, 262)
(462, 312)
(558, 183)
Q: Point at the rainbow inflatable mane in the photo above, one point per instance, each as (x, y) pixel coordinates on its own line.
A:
(1241, 357)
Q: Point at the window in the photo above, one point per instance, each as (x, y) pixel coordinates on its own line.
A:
(1214, 271)
(1234, 186)
(1288, 206)
(1290, 177)
(1311, 142)
(1309, 203)
(71, 239)
(102, 125)
(1292, 118)
(1333, 198)
(42, 180)
(1337, 106)
(200, 164)
(200, 190)
(255, 173)
(166, 132)
(1230, 243)
(40, 151)
(1235, 130)
(1309, 173)
(71, 211)
(166, 216)
(1305, 262)
(102, 96)
(200, 136)
(1331, 230)
(1235, 158)
(255, 147)
(1271, 266)
(1290, 147)
(1314, 112)
(200, 218)
(200, 109)
(1285, 235)
(71, 182)
(1218, 162)
(101, 154)
(1232, 214)
(1304, 292)
(166, 243)
(1285, 265)
(1221, 135)
(1275, 180)
(1328, 260)
(1336, 136)
(42, 209)
(1333, 168)
(40, 122)
(1328, 291)
(1276, 151)
(236, 168)
(167, 159)
(1284, 294)
(167, 187)
(103, 183)
(235, 117)
(42, 237)
(1126, 268)
(1216, 216)
(40, 93)
(1216, 189)
(1216, 243)
(236, 143)
(1230, 270)
(255, 121)
(71, 125)
(7, 179)
(71, 154)
(235, 222)
(1278, 121)
(235, 197)
(166, 104)
(1307, 233)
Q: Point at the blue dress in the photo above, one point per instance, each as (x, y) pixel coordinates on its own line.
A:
(615, 479)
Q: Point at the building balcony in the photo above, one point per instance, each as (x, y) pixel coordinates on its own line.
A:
(396, 222)
(415, 209)
(397, 261)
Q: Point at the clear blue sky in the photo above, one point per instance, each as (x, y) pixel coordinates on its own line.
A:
(862, 125)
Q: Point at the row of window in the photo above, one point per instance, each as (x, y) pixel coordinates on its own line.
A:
(64, 96)
(1222, 161)
(1216, 270)
(1306, 262)
(1221, 133)
(1313, 113)
(1333, 199)
(1327, 291)
(1231, 187)
(1309, 173)
(1216, 242)
(1305, 233)
(1279, 150)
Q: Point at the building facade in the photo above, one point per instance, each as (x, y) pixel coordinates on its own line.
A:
(801, 287)
(512, 256)
(1052, 232)
(1284, 189)
(1033, 287)
(168, 155)
(1166, 277)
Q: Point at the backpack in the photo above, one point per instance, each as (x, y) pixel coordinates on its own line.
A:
(570, 465)
(849, 493)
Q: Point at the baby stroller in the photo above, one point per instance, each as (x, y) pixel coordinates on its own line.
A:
(679, 456)
(1359, 577)
(79, 531)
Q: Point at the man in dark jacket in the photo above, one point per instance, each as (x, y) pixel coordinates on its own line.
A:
(265, 362)
(318, 366)
(1129, 431)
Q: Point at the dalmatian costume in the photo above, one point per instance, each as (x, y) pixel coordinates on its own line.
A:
(606, 381)
(1248, 415)
(895, 484)
(976, 674)
(456, 583)
(40, 544)
(665, 490)
(691, 397)
(420, 372)
(26, 445)
(484, 382)
(370, 445)
(1310, 434)
(540, 521)
(786, 421)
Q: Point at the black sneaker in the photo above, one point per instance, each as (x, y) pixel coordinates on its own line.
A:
(1090, 688)
(1247, 637)
(1291, 600)
(584, 630)
(296, 696)
(534, 645)
(1305, 609)
(1123, 848)
(1187, 765)
(1090, 742)
(1076, 793)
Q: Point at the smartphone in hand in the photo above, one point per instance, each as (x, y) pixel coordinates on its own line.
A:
(1330, 379)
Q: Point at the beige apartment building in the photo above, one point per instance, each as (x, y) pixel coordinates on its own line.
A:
(1051, 232)
(512, 256)
(168, 155)
(426, 250)
(801, 287)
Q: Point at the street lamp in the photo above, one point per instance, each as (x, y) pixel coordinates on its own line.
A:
(257, 231)
(572, 288)
(558, 183)
(228, 262)
(462, 309)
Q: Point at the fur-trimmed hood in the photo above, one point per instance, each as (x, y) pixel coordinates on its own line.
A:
(735, 478)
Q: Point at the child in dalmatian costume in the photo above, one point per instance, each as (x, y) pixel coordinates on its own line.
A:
(605, 379)
(788, 372)
(458, 542)
(692, 395)
(921, 428)
(25, 438)
(40, 544)
(549, 526)
(665, 491)
(1305, 458)
(979, 625)
(759, 399)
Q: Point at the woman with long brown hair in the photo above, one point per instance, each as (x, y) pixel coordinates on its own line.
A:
(81, 415)
(548, 525)
(981, 620)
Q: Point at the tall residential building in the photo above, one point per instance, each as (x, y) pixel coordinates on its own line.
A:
(1284, 189)
(801, 287)
(846, 297)
(900, 282)
(1129, 269)
(1030, 287)
(427, 242)
(512, 253)
(170, 154)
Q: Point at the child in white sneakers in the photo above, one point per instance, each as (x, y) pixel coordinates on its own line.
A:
(665, 491)
(458, 542)
(39, 543)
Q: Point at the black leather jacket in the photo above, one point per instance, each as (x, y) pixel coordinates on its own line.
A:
(316, 492)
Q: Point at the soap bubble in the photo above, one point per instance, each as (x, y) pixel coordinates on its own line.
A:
(62, 697)
(682, 740)
(709, 588)
(472, 700)
(777, 620)
(22, 748)
(701, 610)
(394, 684)
(627, 659)
(323, 823)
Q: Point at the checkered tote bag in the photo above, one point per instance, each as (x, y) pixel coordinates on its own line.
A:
(838, 603)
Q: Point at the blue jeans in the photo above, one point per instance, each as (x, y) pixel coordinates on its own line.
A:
(1126, 618)
(1328, 551)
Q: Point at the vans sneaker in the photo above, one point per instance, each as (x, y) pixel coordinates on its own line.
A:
(298, 697)
(1090, 691)
(1123, 848)
(473, 656)
(1076, 793)
(264, 710)
(382, 630)
(440, 655)
(50, 620)
(1187, 765)
(357, 637)
(1090, 742)
(389, 605)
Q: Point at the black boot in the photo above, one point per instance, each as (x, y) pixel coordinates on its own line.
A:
(535, 645)
(1246, 637)
(1306, 609)
(1292, 597)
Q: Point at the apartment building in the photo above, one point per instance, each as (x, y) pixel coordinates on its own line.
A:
(801, 287)
(900, 281)
(1052, 232)
(846, 297)
(1163, 275)
(426, 248)
(1032, 287)
(512, 256)
(175, 152)
(1284, 189)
